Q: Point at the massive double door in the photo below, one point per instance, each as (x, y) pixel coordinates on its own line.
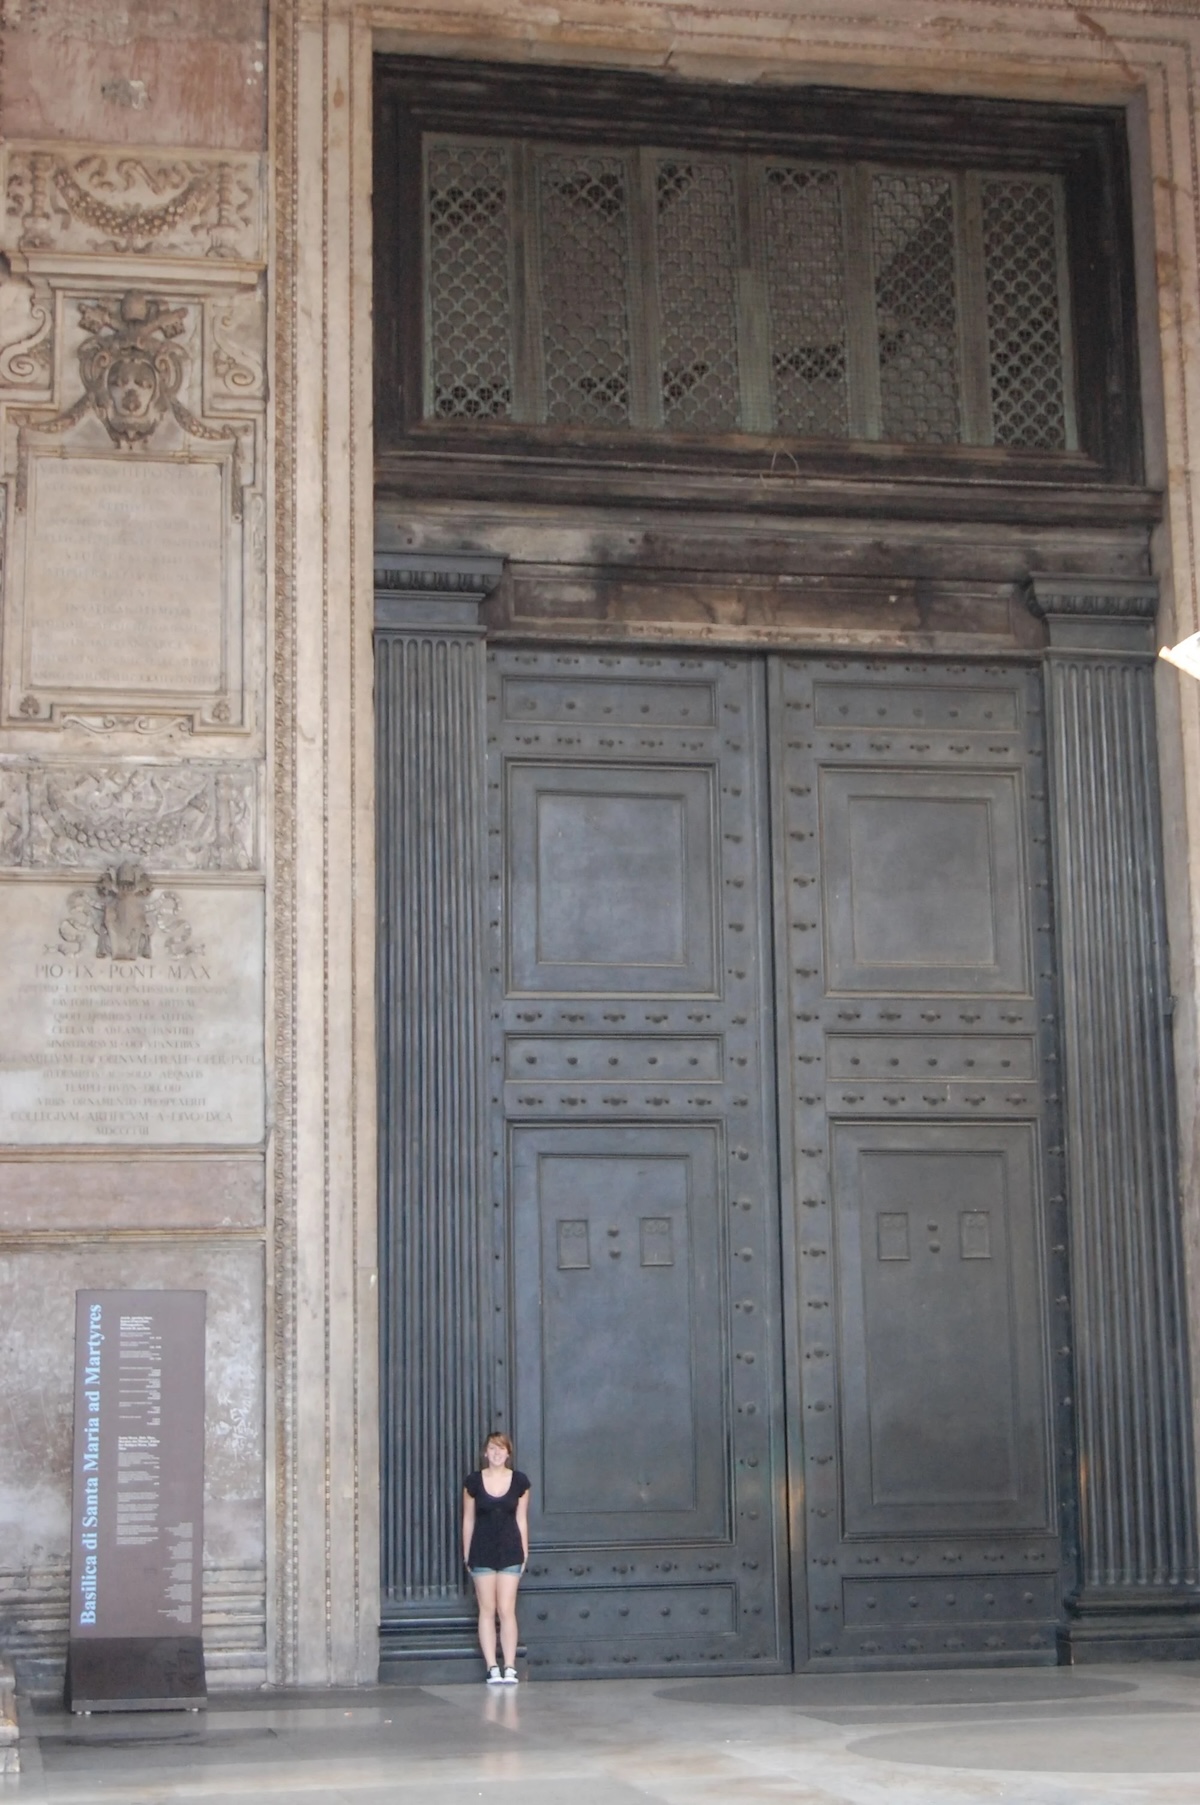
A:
(772, 1122)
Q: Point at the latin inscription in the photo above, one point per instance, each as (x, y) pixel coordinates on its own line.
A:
(151, 1050)
(125, 575)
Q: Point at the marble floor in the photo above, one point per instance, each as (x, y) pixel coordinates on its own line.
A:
(1050, 1736)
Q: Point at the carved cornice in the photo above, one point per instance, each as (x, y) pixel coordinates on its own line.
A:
(1108, 615)
(433, 591)
(1107, 598)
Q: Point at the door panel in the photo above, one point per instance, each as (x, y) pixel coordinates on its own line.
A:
(917, 1064)
(920, 870)
(611, 878)
(636, 1296)
(614, 1313)
(940, 1333)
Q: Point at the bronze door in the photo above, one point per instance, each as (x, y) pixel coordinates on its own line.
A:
(773, 1037)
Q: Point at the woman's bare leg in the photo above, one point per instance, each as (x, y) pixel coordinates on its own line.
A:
(506, 1604)
(485, 1594)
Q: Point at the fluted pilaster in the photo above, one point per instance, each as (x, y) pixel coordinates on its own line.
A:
(1138, 1575)
(429, 689)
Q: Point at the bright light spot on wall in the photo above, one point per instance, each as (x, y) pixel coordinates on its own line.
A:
(1186, 654)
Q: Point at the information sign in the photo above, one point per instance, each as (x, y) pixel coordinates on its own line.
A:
(137, 1521)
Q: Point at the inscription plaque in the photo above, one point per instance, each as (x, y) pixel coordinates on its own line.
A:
(133, 1013)
(138, 1495)
(124, 581)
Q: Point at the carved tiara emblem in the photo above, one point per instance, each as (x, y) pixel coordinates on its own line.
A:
(124, 912)
(131, 368)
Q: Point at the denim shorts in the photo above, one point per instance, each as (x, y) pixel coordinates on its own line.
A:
(478, 1571)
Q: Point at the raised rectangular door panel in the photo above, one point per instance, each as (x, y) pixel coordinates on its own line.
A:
(610, 881)
(924, 1210)
(940, 1335)
(621, 1351)
(920, 870)
(635, 1294)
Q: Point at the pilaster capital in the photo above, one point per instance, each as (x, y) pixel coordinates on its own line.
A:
(1111, 616)
(433, 592)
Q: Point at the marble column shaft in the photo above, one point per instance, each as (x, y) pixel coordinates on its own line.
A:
(1137, 1480)
(434, 1192)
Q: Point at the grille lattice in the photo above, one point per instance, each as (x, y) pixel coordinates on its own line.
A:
(583, 204)
(806, 284)
(912, 230)
(470, 298)
(697, 286)
(1025, 351)
(710, 292)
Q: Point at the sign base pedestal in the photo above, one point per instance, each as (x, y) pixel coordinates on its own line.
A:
(135, 1673)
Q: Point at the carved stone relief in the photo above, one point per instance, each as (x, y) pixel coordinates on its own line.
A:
(131, 570)
(188, 205)
(174, 817)
(14, 816)
(122, 916)
(135, 355)
(26, 334)
(236, 338)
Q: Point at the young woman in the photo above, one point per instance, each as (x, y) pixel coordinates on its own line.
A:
(495, 1530)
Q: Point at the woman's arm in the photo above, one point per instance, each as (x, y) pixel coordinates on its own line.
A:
(523, 1524)
(468, 1525)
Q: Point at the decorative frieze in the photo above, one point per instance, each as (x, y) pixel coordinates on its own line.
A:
(174, 817)
(74, 200)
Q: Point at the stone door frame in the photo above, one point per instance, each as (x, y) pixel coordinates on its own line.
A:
(322, 1387)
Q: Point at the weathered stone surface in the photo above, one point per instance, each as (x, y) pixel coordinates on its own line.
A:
(124, 576)
(133, 1014)
(39, 1285)
(142, 73)
(176, 817)
(86, 1194)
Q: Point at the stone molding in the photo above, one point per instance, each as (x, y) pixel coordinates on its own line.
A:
(1117, 598)
(1085, 616)
(433, 592)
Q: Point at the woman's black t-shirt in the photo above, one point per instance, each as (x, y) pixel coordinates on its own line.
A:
(496, 1540)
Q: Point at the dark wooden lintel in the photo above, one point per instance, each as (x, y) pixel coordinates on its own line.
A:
(421, 472)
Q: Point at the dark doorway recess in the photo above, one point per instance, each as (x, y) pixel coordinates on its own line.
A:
(776, 1100)
(768, 1235)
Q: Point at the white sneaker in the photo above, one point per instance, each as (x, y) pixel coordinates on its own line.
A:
(495, 1677)
(510, 1677)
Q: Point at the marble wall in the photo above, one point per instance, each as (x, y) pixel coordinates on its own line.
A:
(133, 484)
